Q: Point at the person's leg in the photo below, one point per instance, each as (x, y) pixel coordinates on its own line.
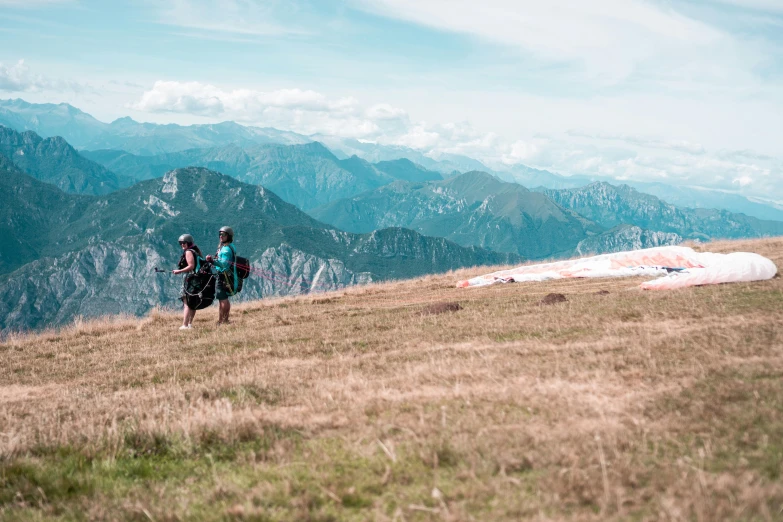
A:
(185, 314)
(225, 308)
(191, 316)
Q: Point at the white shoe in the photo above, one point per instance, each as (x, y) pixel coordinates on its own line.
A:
(183, 327)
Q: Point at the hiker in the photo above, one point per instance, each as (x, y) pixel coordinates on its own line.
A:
(189, 263)
(225, 265)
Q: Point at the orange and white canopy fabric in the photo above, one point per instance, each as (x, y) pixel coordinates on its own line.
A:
(673, 267)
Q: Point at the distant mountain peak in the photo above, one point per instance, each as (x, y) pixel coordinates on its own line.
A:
(59, 141)
(15, 102)
(356, 160)
(70, 109)
(227, 125)
(401, 161)
(481, 180)
(123, 121)
(601, 184)
(190, 175)
(316, 147)
(621, 190)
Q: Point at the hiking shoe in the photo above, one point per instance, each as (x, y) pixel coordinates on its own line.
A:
(188, 327)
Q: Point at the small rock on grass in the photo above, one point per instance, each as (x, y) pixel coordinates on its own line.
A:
(550, 299)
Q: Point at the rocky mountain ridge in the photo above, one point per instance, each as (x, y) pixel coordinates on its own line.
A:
(625, 237)
(305, 175)
(610, 206)
(476, 208)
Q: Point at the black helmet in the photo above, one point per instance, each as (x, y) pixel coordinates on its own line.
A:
(229, 232)
(186, 238)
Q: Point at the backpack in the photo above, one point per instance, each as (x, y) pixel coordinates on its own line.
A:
(243, 267)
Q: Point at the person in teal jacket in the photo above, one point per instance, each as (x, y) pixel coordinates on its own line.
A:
(225, 266)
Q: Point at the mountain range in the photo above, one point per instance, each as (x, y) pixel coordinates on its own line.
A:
(54, 161)
(304, 175)
(474, 208)
(375, 152)
(610, 206)
(147, 139)
(697, 197)
(90, 255)
(310, 176)
(85, 132)
(681, 196)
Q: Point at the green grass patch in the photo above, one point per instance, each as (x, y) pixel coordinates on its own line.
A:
(278, 475)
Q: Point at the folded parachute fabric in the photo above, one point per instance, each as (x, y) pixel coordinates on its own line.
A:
(674, 267)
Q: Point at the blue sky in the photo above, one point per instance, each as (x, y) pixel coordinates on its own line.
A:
(681, 91)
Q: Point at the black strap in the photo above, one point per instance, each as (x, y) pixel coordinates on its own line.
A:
(183, 261)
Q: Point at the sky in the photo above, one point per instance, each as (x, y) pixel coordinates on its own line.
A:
(677, 91)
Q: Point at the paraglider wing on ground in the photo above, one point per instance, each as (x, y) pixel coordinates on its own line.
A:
(672, 267)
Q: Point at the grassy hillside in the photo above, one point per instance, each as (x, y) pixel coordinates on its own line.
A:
(368, 404)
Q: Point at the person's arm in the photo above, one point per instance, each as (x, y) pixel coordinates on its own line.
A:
(191, 259)
(223, 260)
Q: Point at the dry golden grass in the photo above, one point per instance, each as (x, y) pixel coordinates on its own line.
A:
(366, 404)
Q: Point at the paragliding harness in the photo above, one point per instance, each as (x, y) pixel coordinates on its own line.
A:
(232, 279)
(198, 288)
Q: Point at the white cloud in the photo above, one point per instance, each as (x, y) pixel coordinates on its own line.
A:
(308, 112)
(521, 152)
(384, 111)
(208, 100)
(304, 111)
(19, 78)
(418, 137)
(747, 172)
